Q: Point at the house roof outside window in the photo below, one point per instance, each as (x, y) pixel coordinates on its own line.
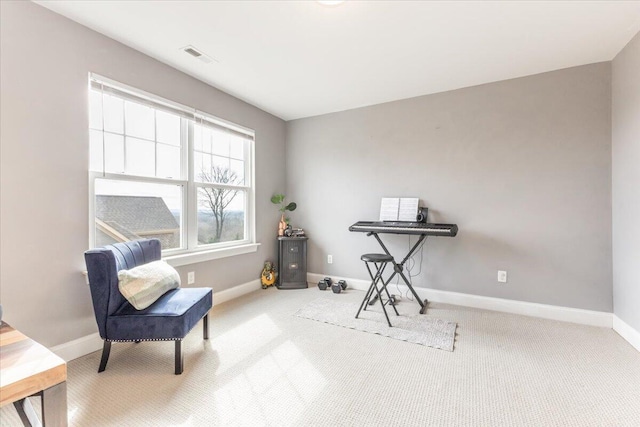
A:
(125, 218)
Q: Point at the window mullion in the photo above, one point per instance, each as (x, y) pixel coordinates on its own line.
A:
(191, 207)
(124, 136)
(139, 178)
(155, 142)
(249, 180)
(104, 148)
(223, 186)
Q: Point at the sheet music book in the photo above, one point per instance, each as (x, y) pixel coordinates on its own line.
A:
(389, 208)
(399, 209)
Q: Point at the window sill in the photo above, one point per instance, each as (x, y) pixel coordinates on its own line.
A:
(202, 256)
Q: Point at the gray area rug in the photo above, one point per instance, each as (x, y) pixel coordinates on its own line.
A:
(417, 329)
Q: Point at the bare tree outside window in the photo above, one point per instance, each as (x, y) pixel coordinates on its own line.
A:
(218, 199)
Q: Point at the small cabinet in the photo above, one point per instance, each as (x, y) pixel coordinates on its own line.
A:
(292, 263)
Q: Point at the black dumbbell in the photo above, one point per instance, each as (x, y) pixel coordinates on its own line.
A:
(339, 287)
(324, 284)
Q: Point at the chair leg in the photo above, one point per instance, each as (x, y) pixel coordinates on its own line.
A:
(106, 349)
(383, 307)
(179, 358)
(364, 301)
(378, 278)
(372, 287)
(205, 326)
(369, 292)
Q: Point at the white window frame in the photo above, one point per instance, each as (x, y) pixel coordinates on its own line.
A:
(190, 252)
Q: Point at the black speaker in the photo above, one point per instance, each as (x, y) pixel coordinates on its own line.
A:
(292, 263)
(422, 214)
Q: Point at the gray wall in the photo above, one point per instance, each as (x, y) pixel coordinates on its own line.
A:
(626, 183)
(522, 166)
(44, 192)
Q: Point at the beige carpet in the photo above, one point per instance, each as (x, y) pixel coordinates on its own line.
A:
(263, 366)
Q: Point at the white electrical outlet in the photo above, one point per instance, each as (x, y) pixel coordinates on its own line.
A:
(191, 278)
(502, 276)
(329, 259)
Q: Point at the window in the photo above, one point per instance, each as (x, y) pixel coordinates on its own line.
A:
(159, 169)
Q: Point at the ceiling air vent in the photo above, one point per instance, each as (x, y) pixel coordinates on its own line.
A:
(191, 51)
(197, 54)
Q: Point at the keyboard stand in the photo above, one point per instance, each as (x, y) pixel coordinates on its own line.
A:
(398, 269)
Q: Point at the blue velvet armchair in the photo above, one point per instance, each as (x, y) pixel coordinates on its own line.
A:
(170, 318)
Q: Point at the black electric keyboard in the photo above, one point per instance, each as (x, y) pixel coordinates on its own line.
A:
(401, 227)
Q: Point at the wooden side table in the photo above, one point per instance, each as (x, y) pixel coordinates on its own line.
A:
(30, 369)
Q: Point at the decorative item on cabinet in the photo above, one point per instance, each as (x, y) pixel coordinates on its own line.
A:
(279, 199)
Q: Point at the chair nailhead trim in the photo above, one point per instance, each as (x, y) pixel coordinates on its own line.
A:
(150, 339)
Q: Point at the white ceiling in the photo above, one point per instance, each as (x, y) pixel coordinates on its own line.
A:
(298, 58)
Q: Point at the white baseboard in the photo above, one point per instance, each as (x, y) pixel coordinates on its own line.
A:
(90, 343)
(566, 314)
(627, 332)
(236, 291)
(78, 347)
